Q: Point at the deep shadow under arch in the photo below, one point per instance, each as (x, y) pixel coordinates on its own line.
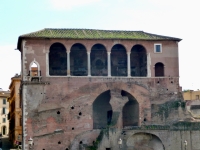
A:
(78, 60)
(159, 69)
(102, 111)
(98, 57)
(130, 112)
(118, 61)
(138, 61)
(57, 60)
(145, 141)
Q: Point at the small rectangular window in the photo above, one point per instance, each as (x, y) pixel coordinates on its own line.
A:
(157, 48)
(197, 96)
(4, 101)
(4, 110)
(4, 120)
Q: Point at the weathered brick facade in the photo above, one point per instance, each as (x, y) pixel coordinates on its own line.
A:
(125, 96)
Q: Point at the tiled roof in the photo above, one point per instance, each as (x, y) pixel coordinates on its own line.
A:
(94, 34)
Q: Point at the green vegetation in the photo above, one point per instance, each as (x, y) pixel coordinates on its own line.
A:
(166, 108)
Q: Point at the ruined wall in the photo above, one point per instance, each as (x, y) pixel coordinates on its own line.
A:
(59, 112)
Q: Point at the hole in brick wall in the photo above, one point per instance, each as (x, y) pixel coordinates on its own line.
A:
(67, 149)
(158, 82)
(41, 93)
(171, 81)
(58, 112)
(72, 128)
(80, 113)
(59, 142)
(72, 107)
(167, 89)
(145, 119)
(43, 149)
(81, 142)
(93, 142)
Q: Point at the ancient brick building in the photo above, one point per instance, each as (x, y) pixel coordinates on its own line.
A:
(103, 89)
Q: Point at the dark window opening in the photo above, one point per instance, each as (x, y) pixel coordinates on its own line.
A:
(78, 60)
(59, 142)
(4, 110)
(138, 60)
(80, 142)
(72, 128)
(158, 48)
(4, 101)
(58, 112)
(57, 60)
(98, 58)
(80, 113)
(108, 148)
(109, 117)
(159, 70)
(118, 61)
(4, 130)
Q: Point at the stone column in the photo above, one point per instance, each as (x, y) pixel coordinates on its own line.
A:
(68, 63)
(129, 63)
(109, 64)
(89, 67)
(148, 65)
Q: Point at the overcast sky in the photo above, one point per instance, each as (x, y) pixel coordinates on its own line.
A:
(176, 18)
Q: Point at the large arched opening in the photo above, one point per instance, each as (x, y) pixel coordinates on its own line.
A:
(138, 61)
(57, 60)
(78, 60)
(130, 112)
(102, 111)
(145, 141)
(98, 57)
(118, 61)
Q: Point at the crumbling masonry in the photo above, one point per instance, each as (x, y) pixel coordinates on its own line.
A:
(89, 89)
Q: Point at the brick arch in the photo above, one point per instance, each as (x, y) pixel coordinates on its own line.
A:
(78, 60)
(118, 60)
(138, 58)
(138, 92)
(139, 139)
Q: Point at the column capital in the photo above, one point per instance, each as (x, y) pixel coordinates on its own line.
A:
(88, 52)
(108, 53)
(128, 53)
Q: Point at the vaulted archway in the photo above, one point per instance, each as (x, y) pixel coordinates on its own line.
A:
(78, 60)
(118, 61)
(130, 112)
(145, 141)
(98, 57)
(102, 111)
(57, 60)
(138, 61)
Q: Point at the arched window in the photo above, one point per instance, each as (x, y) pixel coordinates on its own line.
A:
(118, 61)
(98, 58)
(130, 111)
(102, 111)
(138, 61)
(159, 69)
(78, 60)
(57, 60)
